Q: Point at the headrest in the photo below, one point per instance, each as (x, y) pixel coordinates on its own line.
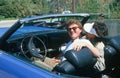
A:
(109, 51)
(81, 58)
(115, 42)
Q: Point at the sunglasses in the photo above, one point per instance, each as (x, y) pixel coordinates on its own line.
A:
(74, 28)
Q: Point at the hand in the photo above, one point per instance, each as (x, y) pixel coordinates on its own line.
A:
(78, 46)
(56, 60)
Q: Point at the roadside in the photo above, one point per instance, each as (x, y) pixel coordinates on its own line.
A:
(7, 23)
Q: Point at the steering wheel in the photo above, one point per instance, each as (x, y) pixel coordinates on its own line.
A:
(33, 46)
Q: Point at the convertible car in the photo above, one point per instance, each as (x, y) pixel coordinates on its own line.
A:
(25, 45)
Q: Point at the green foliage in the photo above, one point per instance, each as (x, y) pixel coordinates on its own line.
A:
(23, 8)
(115, 9)
(1, 17)
(4, 2)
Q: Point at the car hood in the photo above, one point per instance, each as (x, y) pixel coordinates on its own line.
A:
(3, 30)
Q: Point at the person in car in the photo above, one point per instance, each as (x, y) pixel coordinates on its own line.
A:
(95, 32)
(74, 29)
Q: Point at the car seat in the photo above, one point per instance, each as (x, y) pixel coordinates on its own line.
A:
(112, 54)
(76, 62)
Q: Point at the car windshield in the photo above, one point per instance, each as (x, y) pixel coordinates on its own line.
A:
(50, 22)
(54, 21)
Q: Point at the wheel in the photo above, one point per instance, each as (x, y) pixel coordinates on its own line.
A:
(33, 46)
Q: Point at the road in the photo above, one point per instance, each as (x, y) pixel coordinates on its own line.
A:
(7, 23)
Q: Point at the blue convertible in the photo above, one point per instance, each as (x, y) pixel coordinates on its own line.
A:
(24, 46)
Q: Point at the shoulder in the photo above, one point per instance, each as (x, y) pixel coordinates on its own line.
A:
(81, 40)
(86, 41)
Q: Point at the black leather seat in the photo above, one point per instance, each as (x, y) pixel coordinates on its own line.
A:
(77, 62)
(112, 48)
(81, 58)
(115, 43)
(65, 67)
(112, 54)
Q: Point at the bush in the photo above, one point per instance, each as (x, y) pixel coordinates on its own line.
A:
(1, 17)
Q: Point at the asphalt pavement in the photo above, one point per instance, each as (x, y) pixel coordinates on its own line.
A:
(7, 23)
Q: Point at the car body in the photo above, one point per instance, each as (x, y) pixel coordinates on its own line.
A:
(49, 30)
(33, 36)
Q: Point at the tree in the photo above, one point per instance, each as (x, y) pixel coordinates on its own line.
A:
(23, 8)
(115, 9)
